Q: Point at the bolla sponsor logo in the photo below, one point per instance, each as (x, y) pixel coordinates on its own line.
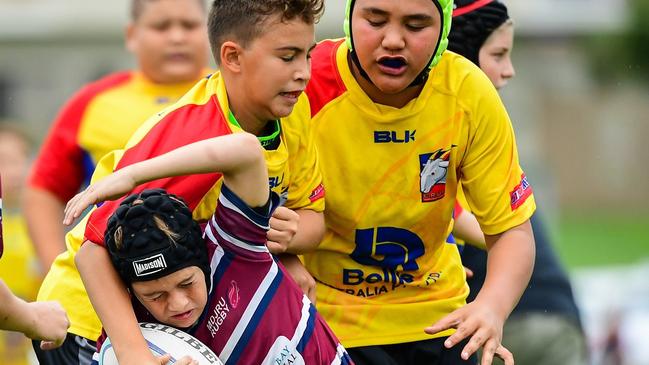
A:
(149, 265)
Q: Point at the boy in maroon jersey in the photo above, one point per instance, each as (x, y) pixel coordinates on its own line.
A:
(222, 286)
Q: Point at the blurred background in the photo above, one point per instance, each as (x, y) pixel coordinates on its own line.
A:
(579, 103)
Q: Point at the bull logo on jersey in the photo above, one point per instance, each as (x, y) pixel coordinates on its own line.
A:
(432, 177)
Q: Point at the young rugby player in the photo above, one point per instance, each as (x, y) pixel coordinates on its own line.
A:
(223, 286)
(262, 49)
(399, 123)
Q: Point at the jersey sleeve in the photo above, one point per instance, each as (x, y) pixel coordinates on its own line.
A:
(156, 142)
(62, 165)
(495, 185)
(59, 166)
(306, 189)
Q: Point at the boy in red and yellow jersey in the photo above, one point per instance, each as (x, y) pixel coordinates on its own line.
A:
(168, 39)
(262, 49)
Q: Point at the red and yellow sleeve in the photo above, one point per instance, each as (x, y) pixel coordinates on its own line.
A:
(306, 190)
(62, 165)
(205, 124)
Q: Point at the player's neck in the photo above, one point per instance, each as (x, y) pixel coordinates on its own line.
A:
(246, 118)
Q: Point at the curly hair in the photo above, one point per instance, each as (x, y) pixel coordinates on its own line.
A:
(244, 20)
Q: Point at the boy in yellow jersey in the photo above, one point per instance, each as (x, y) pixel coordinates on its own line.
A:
(399, 123)
(169, 41)
(262, 49)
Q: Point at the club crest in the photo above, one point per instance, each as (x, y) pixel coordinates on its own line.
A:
(432, 177)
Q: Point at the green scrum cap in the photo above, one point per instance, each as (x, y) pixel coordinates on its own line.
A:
(445, 8)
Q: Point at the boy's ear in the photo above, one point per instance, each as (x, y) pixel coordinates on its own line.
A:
(231, 56)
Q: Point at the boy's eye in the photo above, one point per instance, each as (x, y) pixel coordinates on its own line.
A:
(415, 27)
(186, 285)
(376, 23)
(155, 298)
(288, 58)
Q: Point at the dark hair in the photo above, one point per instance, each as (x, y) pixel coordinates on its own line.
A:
(471, 29)
(137, 7)
(244, 20)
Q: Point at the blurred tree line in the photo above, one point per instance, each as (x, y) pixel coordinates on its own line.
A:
(623, 55)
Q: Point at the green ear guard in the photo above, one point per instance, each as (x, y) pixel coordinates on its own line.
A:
(444, 6)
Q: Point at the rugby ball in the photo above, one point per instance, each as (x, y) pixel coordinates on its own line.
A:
(163, 339)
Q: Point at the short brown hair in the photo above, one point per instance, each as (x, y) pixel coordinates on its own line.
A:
(137, 7)
(244, 20)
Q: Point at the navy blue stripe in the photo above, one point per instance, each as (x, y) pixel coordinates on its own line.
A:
(346, 359)
(308, 331)
(250, 213)
(223, 265)
(256, 318)
(88, 167)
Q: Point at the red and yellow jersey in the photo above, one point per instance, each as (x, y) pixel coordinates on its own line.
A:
(101, 117)
(202, 113)
(384, 269)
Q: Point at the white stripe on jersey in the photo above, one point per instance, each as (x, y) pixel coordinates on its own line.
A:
(247, 314)
(216, 259)
(228, 204)
(340, 354)
(304, 319)
(230, 239)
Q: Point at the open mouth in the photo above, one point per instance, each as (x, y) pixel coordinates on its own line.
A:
(393, 62)
(291, 94)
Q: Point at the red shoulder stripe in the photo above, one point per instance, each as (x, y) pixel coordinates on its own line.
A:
(325, 84)
(185, 125)
(61, 154)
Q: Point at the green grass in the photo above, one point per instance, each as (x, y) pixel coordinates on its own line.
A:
(602, 240)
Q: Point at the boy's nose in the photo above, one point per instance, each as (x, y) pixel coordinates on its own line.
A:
(177, 302)
(509, 71)
(304, 71)
(393, 39)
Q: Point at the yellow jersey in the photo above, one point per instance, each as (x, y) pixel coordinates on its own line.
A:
(202, 113)
(384, 269)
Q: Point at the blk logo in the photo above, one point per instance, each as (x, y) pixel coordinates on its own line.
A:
(394, 136)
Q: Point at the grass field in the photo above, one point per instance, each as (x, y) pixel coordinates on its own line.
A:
(602, 240)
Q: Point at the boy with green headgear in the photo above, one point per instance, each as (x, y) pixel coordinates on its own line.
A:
(399, 123)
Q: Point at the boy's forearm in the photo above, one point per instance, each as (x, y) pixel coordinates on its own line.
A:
(310, 232)
(222, 154)
(468, 229)
(112, 304)
(14, 314)
(509, 268)
(44, 213)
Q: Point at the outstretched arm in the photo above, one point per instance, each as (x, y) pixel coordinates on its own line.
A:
(509, 268)
(44, 321)
(239, 157)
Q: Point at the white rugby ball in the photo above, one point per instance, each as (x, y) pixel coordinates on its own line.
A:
(163, 339)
